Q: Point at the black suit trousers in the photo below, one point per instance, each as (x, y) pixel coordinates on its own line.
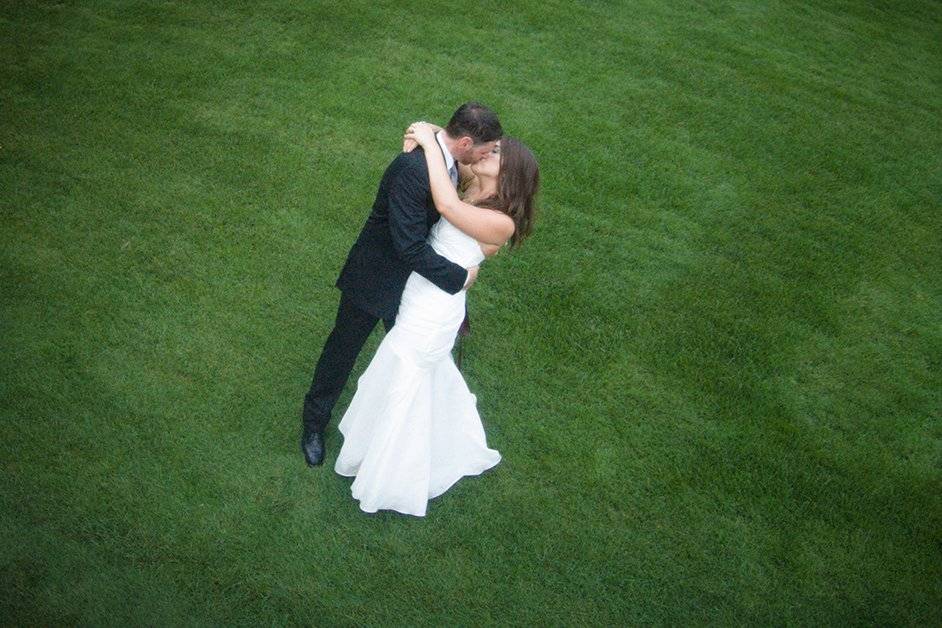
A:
(351, 329)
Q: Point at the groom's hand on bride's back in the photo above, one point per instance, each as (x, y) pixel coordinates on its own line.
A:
(472, 276)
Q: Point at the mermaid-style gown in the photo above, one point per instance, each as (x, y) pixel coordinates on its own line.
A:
(412, 429)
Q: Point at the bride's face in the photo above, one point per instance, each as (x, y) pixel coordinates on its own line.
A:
(489, 164)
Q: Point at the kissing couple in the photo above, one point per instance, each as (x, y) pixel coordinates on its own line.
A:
(454, 196)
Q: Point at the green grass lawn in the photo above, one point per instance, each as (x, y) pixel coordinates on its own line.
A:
(714, 373)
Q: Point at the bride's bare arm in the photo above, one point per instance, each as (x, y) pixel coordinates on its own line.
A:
(488, 249)
(484, 225)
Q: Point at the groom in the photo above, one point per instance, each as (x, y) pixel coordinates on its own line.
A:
(392, 245)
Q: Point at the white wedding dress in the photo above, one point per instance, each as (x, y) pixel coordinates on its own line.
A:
(412, 429)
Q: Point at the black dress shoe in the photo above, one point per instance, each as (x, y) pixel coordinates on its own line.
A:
(312, 444)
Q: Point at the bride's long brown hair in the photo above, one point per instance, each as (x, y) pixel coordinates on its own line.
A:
(518, 182)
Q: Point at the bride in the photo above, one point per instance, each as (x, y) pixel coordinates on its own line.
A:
(412, 429)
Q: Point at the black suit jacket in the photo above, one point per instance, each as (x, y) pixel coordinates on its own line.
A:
(393, 242)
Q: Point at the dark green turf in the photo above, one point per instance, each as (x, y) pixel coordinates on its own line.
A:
(714, 373)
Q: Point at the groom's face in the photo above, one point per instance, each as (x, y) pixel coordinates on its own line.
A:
(472, 153)
(481, 151)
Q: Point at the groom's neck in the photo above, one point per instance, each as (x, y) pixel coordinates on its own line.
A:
(449, 143)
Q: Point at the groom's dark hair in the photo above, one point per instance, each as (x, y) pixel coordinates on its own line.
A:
(476, 121)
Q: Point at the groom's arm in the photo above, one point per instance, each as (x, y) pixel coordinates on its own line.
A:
(409, 231)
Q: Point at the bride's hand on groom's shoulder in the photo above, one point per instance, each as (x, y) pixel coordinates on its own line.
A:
(419, 134)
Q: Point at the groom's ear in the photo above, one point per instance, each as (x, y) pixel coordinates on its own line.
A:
(464, 143)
